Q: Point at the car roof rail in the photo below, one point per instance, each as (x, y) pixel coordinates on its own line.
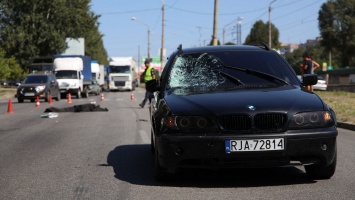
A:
(263, 43)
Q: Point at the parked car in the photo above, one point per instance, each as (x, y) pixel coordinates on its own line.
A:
(321, 84)
(94, 88)
(238, 106)
(38, 85)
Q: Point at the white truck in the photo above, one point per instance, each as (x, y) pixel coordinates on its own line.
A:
(123, 72)
(73, 74)
(98, 72)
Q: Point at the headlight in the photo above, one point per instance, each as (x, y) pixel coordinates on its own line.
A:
(312, 120)
(187, 123)
(40, 88)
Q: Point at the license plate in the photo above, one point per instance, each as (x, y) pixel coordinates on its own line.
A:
(254, 145)
(29, 94)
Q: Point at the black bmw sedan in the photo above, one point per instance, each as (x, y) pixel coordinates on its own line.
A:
(238, 107)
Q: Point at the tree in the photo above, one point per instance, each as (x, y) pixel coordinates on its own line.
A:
(39, 28)
(9, 68)
(260, 33)
(337, 27)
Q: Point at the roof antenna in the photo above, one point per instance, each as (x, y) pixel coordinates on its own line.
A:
(180, 49)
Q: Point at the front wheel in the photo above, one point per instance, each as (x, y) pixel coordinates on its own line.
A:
(78, 94)
(161, 174)
(58, 96)
(319, 171)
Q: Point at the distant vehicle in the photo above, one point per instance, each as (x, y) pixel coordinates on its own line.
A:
(41, 65)
(73, 74)
(95, 88)
(38, 85)
(122, 73)
(98, 73)
(238, 106)
(321, 84)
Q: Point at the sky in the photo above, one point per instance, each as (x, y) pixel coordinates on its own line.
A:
(190, 22)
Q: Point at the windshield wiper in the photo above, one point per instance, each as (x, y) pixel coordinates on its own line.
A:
(259, 74)
(230, 77)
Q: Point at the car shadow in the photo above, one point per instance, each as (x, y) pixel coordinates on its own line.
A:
(135, 164)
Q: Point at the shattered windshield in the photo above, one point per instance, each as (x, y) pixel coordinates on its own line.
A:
(226, 70)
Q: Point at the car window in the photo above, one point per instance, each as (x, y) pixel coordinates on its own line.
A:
(36, 79)
(213, 69)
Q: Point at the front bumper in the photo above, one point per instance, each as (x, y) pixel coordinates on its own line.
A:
(177, 151)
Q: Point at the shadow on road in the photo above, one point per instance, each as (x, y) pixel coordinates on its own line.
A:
(135, 164)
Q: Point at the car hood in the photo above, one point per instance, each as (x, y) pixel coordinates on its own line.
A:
(285, 99)
(31, 85)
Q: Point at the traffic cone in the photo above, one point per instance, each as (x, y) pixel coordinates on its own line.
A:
(9, 107)
(102, 97)
(50, 101)
(132, 97)
(69, 98)
(37, 102)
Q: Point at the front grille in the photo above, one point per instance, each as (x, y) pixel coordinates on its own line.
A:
(120, 83)
(267, 122)
(270, 122)
(235, 122)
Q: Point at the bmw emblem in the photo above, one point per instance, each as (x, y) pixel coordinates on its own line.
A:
(250, 107)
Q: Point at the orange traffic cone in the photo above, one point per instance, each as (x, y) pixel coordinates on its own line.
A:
(69, 98)
(102, 97)
(9, 107)
(37, 102)
(132, 97)
(50, 101)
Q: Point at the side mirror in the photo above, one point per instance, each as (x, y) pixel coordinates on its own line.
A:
(152, 85)
(310, 79)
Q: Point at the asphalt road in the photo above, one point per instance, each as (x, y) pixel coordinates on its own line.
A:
(106, 155)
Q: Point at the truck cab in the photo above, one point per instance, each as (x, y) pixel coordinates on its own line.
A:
(123, 73)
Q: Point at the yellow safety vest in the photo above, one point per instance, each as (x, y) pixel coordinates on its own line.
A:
(148, 74)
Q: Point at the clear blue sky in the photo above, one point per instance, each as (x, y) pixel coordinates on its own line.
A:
(190, 22)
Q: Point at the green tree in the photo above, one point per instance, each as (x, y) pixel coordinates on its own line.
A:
(9, 68)
(260, 33)
(31, 28)
(337, 27)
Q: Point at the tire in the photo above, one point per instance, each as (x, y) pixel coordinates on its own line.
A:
(78, 94)
(19, 100)
(46, 98)
(321, 171)
(161, 173)
(58, 96)
(152, 149)
(86, 93)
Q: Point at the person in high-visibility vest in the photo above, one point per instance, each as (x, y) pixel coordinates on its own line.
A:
(148, 74)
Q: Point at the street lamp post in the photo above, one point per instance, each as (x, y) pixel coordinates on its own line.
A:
(136, 19)
(270, 22)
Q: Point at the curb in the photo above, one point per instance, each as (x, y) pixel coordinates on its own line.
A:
(346, 126)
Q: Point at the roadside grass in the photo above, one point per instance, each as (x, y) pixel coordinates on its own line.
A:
(340, 101)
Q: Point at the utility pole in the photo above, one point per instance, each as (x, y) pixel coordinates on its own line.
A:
(270, 22)
(215, 24)
(162, 37)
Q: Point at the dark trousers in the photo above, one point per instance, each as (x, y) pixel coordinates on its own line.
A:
(146, 97)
